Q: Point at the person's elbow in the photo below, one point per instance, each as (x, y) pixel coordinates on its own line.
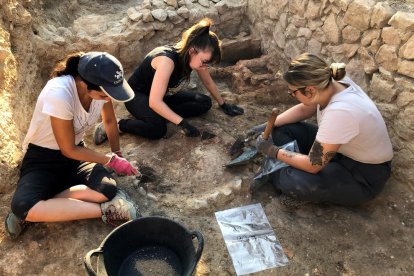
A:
(68, 151)
(154, 103)
(314, 169)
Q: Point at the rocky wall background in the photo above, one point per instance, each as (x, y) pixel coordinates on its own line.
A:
(374, 38)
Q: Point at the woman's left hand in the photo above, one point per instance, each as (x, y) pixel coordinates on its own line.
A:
(231, 109)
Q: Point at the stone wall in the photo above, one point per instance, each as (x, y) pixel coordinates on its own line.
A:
(374, 39)
(9, 135)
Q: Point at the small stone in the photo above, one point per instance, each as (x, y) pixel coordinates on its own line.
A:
(152, 196)
(142, 191)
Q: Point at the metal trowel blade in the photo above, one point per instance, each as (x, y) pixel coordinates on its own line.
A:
(244, 158)
(205, 135)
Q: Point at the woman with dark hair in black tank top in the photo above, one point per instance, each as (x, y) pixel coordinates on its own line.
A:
(159, 78)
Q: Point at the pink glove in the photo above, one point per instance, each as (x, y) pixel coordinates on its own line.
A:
(121, 165)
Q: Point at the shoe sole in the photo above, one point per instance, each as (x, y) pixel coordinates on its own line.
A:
(128, 201)
(13, 236)
(95, 136)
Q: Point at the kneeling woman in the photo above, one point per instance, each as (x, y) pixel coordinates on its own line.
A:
(60, 178)
(346, 159)
(158, 83)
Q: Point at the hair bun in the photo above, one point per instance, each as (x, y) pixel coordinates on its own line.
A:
(338, 71)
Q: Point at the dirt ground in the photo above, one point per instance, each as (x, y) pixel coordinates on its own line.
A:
(190, 184)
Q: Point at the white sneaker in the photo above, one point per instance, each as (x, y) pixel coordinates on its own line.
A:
(119, 210)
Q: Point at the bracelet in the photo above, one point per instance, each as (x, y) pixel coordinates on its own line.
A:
(111, 159)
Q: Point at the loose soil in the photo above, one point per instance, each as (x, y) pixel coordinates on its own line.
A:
(185, 180)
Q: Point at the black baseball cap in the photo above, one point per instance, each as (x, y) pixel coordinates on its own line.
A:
(104, 70)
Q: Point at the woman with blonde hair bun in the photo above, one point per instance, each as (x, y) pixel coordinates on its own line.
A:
(346, 158)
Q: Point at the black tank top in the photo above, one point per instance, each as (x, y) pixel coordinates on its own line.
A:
(141, 79)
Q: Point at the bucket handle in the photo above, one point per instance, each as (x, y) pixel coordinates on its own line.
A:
(200, 247)
(87, 260)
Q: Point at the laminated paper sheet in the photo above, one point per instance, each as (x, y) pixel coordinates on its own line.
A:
(250, 239)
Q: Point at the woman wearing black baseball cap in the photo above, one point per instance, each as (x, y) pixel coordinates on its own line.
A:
(60, 178)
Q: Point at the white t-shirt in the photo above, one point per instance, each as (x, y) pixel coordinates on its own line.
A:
(352, 120)
(59, 98)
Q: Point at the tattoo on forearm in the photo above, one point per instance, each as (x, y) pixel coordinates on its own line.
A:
(317, 157)
(289, 154)
(316, 154)
(328, 156)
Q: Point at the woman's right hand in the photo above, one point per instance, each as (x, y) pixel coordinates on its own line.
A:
(189, 130)
(121, 165)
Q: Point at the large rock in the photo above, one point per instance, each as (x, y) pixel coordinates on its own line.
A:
(407, 50)
(369, 36)
(314, 47)
(381, 15)
(405, 98)
(225, 5)
(369, 63)
(279, 36)
(305, 32)
(319, 35)
(298, 6)
(403, 21)
(390, 36)
(183, 12)
(159, 14)
(405, 83)
(405, 123)
(382, 90)
(342, 4)
(331, 30)
(350, 34)
(313, 10)
(174, 17)
(343, 50)
(387, 57)
(358, 14)
(291, 31)
(406, 68)
(172, 3)
(133, 14)
(355, 69)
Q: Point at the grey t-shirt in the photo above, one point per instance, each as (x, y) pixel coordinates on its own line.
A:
(352, 120)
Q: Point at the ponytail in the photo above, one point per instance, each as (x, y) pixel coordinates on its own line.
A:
(67, 66)
(198, 37)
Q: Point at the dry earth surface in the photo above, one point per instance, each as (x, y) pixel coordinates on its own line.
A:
(191, 184)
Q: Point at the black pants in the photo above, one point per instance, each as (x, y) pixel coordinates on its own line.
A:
(342, 181)
(149, 124)
(46, 172)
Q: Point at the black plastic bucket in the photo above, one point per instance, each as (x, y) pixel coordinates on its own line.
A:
(148, 246)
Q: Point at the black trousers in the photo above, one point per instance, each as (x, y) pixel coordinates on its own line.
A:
(149, 124)
(342, 181)
(46, 172)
